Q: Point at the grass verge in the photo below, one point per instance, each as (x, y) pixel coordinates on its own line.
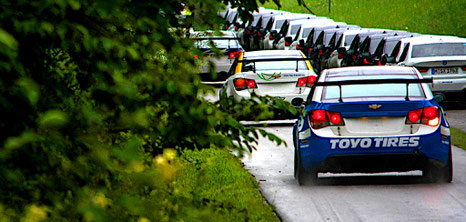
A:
(458, 138)
(443, 17)
(217, 183)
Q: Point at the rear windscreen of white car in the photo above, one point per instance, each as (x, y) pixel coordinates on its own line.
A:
(275, 65)
(220, 43)
(372, 91)
(439, 49)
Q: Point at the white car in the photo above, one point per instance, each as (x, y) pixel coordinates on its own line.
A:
(277, 23)
(228, 45)
(442, 58)
(288, 33)
(284, 74)
(345, 39)
(307, 29)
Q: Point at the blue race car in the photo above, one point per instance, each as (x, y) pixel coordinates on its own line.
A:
(372, 119)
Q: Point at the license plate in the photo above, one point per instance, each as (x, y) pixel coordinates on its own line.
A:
(445, 70)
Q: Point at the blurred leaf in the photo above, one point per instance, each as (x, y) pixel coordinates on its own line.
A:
(53, 118)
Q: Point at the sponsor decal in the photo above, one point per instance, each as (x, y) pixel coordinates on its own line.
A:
(293, 75)
(269, 77)
(305, 134)
(445, 131)
(364, 143)
(446, 142)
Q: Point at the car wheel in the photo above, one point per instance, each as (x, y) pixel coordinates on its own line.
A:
(434, 174)
(298, 168)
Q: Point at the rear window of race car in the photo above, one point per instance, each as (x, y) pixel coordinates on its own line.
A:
(219, 43)
(362, 92)
(274, 65)
(439, 49)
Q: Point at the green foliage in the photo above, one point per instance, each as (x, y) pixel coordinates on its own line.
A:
(458, 138)
(444, 17)
(92, 92)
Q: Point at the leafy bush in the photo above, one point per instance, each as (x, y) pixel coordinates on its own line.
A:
(92, 93)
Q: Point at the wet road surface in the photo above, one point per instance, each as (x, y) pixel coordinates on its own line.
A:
(357, 198)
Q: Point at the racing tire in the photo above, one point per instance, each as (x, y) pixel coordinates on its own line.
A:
(434, 174)
(298, 168)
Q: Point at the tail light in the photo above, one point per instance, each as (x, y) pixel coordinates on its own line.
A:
(365, 61)
(321, 52)
(227, 26)
(322, 118)
(306, 81)
(241, 84)
(354, 57)
(259, 34)
(234, 54)
(248, 32)
(287, 43)
(236, 28)
(464, 68)
(271, 37)
(298, 47)
(340, 56)
(422, 69)
(379, 63)
(428, 116)
(196, 56)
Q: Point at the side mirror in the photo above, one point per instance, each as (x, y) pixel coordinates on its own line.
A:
(384, 59)
(439, 97)
(301, 42)
(391, 60)
(341, 50)
(288, 39)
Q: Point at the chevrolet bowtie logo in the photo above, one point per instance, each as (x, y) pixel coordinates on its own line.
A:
(374, 106)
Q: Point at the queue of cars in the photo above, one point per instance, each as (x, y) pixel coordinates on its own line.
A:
(370, 97)
(331, 44)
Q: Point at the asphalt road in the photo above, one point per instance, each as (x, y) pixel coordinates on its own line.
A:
(386, 197)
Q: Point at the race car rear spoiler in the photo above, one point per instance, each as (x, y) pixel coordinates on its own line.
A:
(374, 81)
(275, 59)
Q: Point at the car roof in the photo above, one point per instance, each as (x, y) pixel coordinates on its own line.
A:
(370, 70)
(272, 54)
(426, 39)
(293, 15)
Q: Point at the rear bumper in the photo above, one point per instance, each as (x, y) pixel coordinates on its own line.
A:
(373, 154)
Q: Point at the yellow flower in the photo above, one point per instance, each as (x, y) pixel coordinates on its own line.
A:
(169, 153)
(143, 219)
(35, 213)
(100, 200)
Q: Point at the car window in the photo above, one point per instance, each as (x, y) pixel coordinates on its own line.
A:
(274, 65)
(279, 24)
(392, 47)
(404, 53)
(375, 91)
(439, 49)
(327, 38)
(294, 29)
(219, 43)
(349, 39)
